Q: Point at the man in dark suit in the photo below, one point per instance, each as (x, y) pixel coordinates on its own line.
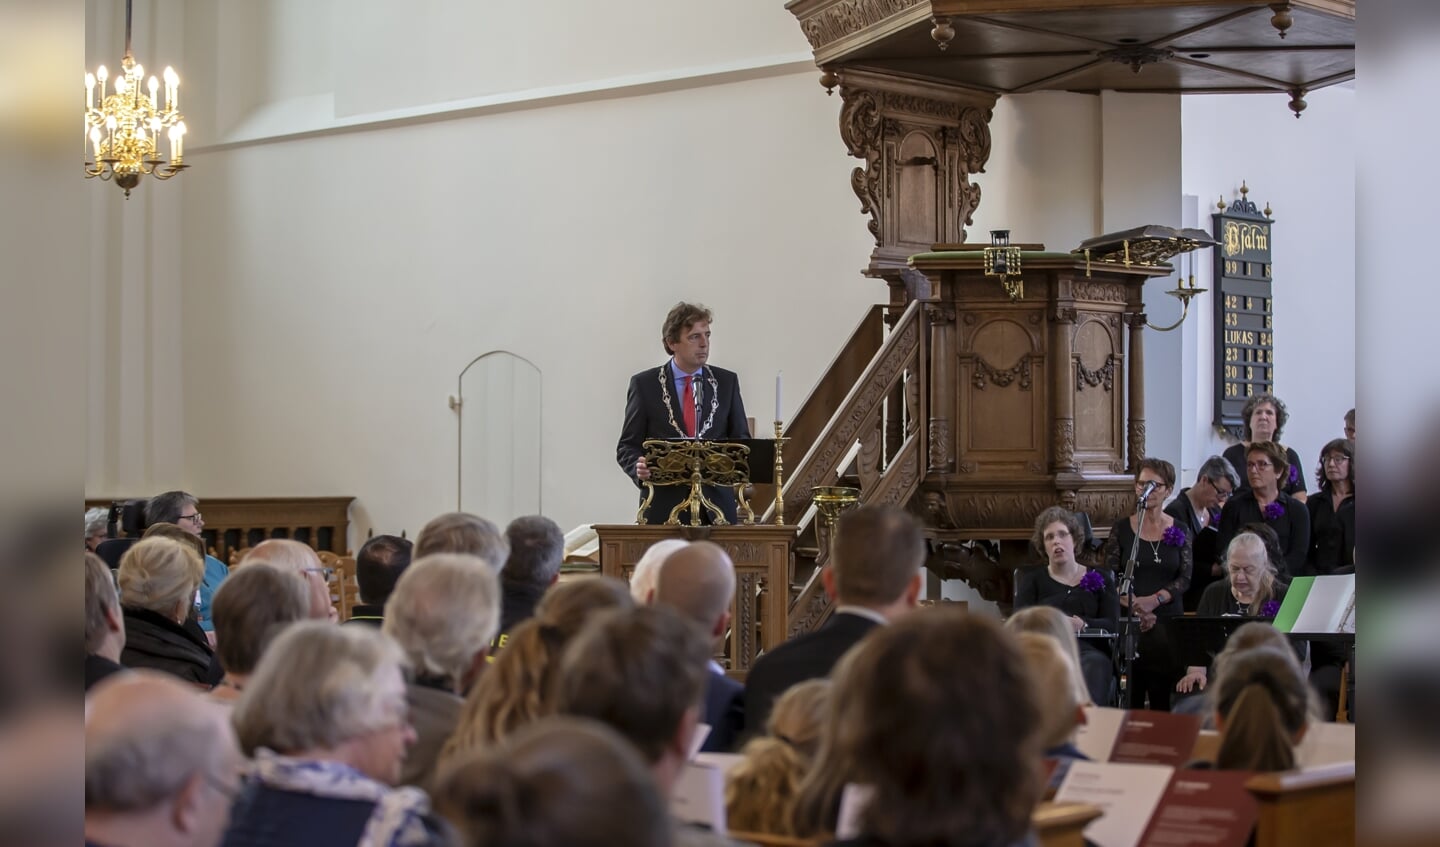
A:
(873, 577)
(698, 580)
(684, 398)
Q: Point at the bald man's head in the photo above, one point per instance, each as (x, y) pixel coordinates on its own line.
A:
(699, 581)
(294, 557)
(155, 750)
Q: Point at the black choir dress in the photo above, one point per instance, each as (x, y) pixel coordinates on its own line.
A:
(1034, 586)
(1203, 542)
(1332, 535)
(1293, 484)
(1159, 565)
(1292, 526)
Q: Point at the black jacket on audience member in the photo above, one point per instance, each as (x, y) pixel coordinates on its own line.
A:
(517, 605)
(811, 656)
(98, 668)
(1293, 527)
(367, 614)
(724, 712)
(156, 642)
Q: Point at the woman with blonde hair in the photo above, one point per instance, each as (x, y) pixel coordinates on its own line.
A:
(1050, 621)
(158, 581)
(761, 789)
(517, 688)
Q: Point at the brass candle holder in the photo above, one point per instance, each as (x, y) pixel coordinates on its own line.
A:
(779, 475)
(832, 501)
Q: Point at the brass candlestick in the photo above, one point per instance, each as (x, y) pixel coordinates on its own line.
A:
(779, 476)
(832, 500)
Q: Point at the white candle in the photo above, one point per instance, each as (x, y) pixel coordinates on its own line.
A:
(778, 395)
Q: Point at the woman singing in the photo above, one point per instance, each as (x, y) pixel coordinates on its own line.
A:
(1265, 417)
(1087, 597)
(1162, 573)
(1265, 502)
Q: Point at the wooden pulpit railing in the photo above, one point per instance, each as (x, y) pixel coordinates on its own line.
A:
(890, 395)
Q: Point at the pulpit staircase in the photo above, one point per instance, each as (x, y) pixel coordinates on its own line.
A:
(863, 425)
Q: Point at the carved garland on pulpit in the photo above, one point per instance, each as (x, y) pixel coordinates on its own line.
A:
(1137, 443)
(1098, 292)
(1002, 378)
(939, 437)
(1064, 444)
(974, 131)
(848, 17)
(861, 128)
(1100, 376)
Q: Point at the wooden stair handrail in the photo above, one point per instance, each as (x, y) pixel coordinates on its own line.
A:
(841, 429)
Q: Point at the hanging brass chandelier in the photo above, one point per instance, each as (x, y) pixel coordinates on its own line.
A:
(124, 124)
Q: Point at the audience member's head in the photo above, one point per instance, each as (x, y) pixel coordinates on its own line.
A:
(1053, 673)
(1350, 426)
(1267, 534)
(251, 607)
(641, 671)
(329, 692)
(177, 507)
(698, 581)
(378, 565)
(1065, 518)
(462, 532)
(519, 687)
(800, 715)
(161, 764)
(761, 789)
(97, 526)
(879, 551)
(104, 622)
(561, 782)
(175, 532)
(443, 614)
(1262, 707)
(935, 771)
(647, 570)
(1050, 621)
(537, 548)
(295, 558)
(161, 576)
(1271, 422)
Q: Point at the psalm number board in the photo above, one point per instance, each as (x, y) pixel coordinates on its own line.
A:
(1244, 334)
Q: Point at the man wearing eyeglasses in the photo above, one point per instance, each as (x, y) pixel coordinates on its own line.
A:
(183, 510)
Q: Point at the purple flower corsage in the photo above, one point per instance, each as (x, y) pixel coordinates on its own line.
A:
(1092, 582)
(1274, 511)
(1270, 609)
(1294, 474)
(1173, 537)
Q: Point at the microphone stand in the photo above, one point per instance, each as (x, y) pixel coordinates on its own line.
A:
(1129, 647)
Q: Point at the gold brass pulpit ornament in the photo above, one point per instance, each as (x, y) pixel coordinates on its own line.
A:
(697, 464)
(1149, 247)
(1003, 261)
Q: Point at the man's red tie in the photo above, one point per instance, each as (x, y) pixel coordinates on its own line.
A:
(687, 405)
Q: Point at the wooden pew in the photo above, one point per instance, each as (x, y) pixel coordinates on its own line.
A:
(1311, 806)
(1063, 824)
(1056, 824)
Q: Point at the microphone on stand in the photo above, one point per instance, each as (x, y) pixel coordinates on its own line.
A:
(1148, 490)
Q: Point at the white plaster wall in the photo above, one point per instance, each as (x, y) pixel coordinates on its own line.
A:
(1305, 170)
(335, 286)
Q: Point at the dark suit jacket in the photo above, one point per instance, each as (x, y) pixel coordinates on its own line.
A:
(811, 656)
(646, 417)
(724, 712)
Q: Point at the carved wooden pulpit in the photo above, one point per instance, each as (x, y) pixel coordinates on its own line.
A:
(1033, 401)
